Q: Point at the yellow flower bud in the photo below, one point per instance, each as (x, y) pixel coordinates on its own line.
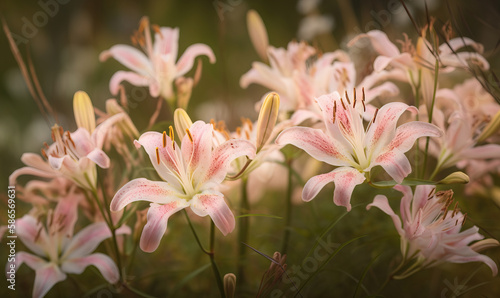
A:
(455, 178)
(267, 119)
(181, 122)
(84, 111)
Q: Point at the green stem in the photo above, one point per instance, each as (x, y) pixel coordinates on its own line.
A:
(417, 104)
(112, 228)
(218, 278)
(243, 231)
(431, 112)
(288, 214)
(195, 234)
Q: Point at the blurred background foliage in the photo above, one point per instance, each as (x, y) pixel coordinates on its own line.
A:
(65, 54)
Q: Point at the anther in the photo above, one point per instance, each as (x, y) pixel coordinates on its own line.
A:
(189, 135)
(347, 98)
(238, 131)
(70, 139)
(431, 192)
(334, 111)
(247, 134)
(463, 221)
(343, 105)
(375, 116)
(171, 133)
(164, 139)
(157, 155)
(44, 154)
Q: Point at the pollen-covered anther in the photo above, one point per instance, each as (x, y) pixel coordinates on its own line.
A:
(164, 139)
(463, 220)
(157, 155)
(171, 133)
(190, 136)
(342, 102)
(44, 154)
(375, 116)
(334, 111)
(363, 99)
(156, 29)
(347, 98)
(431, 193)
(68, 135)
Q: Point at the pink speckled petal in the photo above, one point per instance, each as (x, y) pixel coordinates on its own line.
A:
(141, 189)
(317, 144)
(212, 203)
(344, 178)
(156, 225)
(224, 154)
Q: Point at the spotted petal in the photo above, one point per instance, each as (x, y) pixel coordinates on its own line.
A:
(317, 144)
(344, 178)
(156, 225)
(142, 189)
(212, 203)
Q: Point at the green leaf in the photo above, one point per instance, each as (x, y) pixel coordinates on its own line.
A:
(258, 215)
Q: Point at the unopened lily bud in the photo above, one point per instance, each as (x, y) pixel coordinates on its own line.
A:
(258, 34)
(229, 285)
(84, 111)
(267, 119)
(491, 128)
(184, 88)
(484, 244)
(126, 125)
(181, 122)
(455, 178)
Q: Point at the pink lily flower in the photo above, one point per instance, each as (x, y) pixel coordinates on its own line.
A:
(192, 173)
(416, 64)
(157, 68)
(430, 232)
(354, 149)
(56, 251)
(72, 155)
(463, 128)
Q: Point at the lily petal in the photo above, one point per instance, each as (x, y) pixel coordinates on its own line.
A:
(86, 241)
(344, 178)
(380, 201)
(167, 41)
(395, 163)
(156, 225)
(102, 262)
(212, 203)
(142, 189)
(317, 144)
(129, 76)
(131, 58)
(224, 154)
(186, 61)
(45, 278)
(99, 157)
(383, 129)
(32, 234)
(32, 261)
